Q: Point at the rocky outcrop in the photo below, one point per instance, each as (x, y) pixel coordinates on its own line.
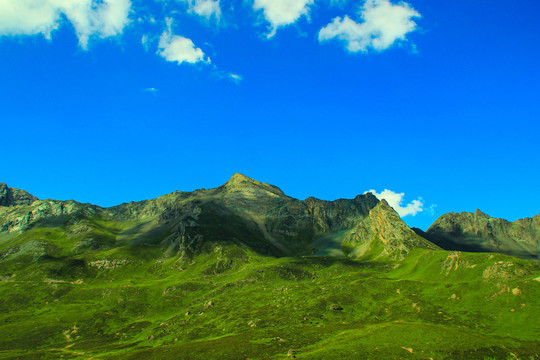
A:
(479, 232)
(341, 213)
(57, 213)
(13, 197)
(383, 233)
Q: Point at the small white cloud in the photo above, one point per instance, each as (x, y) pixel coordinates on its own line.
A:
(204, 8)
(226, 75)
(236, 78)
(176, 48)
(151, 90)
(282, 12)
(90, 18)
(395, 199)
(207, 8)
(145, 41)
(383, 23)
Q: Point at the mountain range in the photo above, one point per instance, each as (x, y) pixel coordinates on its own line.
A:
(246, 245)
(261, 216)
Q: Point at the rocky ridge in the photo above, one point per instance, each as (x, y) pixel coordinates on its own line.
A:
(478, 232)
(383, 229)
(243, 211)
(13, 197)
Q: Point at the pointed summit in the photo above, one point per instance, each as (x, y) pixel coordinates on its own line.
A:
(479, 212)
(242, 183)
(238, 178)
(384, 234)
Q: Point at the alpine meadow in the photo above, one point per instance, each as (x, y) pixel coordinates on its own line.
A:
(269, 179)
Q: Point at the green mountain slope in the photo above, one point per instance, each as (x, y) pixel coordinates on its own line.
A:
(479, 232)
(244, 271)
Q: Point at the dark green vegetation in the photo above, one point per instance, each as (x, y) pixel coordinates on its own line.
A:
(243, 271)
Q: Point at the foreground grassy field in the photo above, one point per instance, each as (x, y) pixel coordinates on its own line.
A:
(230, 303)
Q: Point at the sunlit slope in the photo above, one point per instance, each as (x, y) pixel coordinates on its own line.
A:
(233, 303)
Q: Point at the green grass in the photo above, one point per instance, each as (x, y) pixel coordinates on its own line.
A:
(232, 303)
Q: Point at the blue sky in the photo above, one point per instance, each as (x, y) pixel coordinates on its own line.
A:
(114, 101)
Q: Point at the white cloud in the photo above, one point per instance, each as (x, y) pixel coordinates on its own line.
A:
(395, 199)
(151, 90)
(207, 8)
(226, 75)
(282, 12)
(236, 78)
(204, 8)
(145, 41)
(383, 23)
(89, 17)
(179, 49)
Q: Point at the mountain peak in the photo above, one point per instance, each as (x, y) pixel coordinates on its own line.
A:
(12, 197)
(242, 183)
(384, 233)
(479, 212)
(237, 178)
(479, 232)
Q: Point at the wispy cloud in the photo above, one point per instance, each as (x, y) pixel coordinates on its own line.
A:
(395, 200)
(383, 23)
(151, 90)
(145, 41)
(236, 78)
(226, 75)
(338, 3)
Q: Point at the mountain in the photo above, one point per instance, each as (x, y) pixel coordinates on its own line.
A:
(14, 197)
(479, 232)
(243, 271)
(243, 211)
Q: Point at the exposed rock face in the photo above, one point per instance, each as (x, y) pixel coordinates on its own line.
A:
(341, 213)
(243, 211)
(14, 197)
(383, 233)
(479, 232)
(23, 217)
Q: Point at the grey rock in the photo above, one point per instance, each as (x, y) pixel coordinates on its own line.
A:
(13, 197)
(479, 232)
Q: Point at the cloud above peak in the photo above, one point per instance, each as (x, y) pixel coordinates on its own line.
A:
(382, 25)
(90, 18)
(395, 201)
(282, 12)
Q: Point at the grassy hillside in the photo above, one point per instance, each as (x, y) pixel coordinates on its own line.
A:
(231, 303)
